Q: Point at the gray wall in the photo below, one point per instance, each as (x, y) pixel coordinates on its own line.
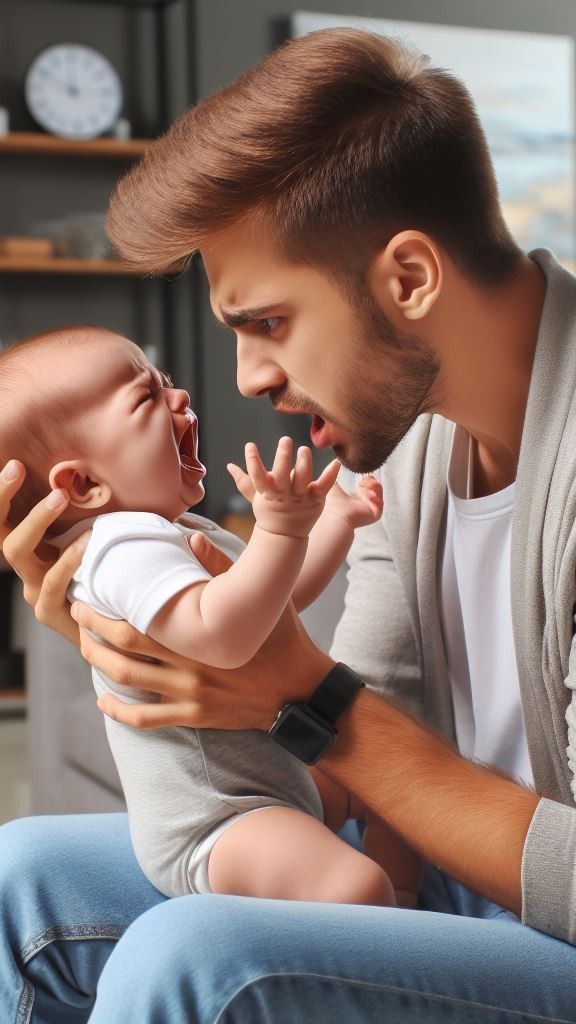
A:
(225, 37)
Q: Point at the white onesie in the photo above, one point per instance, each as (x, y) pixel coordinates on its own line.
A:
(183, 787)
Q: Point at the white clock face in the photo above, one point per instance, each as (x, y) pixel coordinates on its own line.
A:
(73, 91)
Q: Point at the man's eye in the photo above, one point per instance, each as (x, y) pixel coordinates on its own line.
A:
(270, 324)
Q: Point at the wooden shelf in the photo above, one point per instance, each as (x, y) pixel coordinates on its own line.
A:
(48, 145)
(55, 265)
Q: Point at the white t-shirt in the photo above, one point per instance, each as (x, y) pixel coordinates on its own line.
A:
(477, 620)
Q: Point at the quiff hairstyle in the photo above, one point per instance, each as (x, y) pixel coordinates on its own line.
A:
(42, 418)
(335, 141)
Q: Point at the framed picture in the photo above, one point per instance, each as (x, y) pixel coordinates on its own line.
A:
(523, 87)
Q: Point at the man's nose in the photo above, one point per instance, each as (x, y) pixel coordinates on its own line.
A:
(256, 375)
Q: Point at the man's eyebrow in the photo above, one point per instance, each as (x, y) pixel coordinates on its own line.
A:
(240, 317)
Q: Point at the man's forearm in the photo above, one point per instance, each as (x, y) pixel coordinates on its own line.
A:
(466, 819)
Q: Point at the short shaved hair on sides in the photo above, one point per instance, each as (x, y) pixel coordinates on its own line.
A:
(335, 142)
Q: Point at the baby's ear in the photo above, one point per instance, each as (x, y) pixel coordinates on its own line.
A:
(83, 491)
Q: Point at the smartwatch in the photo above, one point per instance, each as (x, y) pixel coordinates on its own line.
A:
(309, 730)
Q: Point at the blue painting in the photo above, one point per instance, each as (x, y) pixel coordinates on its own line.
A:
(523, 86)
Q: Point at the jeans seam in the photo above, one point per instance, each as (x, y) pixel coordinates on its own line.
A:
(520, 1014)
(70, 933)
(25, 1004)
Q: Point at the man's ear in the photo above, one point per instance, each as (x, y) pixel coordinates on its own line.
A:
(84, 492)
(406, 277)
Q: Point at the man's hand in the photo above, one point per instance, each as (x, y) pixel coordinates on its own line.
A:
(285, 499)
(45, 574)
(287, 668)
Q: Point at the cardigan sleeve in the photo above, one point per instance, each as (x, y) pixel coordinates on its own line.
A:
(549, 857)
(375, 635)
(549, 871)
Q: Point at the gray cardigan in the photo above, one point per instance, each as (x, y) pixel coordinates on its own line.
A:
(391, 633)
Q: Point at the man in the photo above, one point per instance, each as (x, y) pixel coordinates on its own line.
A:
(344, 204)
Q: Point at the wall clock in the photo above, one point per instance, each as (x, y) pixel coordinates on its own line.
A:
(73, 91)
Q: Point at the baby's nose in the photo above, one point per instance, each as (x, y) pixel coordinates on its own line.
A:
(178, 399)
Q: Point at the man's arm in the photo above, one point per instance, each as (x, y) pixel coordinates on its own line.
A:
(467, 819)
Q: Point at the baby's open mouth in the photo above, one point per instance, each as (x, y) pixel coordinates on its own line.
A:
(188, 448)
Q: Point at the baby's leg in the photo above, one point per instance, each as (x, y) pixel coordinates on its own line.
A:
(380, 843)
(403, 864)
(281, 853)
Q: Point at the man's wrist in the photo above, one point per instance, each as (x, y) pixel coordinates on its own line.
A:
(309, 729)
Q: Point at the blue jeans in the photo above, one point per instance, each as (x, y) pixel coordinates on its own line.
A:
(76, 912)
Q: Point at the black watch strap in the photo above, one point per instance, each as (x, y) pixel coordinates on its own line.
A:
(335, 693)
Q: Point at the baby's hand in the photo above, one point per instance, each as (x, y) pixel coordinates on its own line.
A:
(286, 499)
(360, 509)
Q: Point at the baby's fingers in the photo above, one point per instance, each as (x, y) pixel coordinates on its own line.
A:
(303, 471)
(242, 481)
(283, 464)
(326, 480)
(257, 471)
(371, 490)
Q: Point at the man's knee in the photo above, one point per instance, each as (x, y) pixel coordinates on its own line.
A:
(19, 849)
(182, 961)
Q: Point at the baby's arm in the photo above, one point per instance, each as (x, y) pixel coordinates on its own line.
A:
(224, 622)
(332, 536)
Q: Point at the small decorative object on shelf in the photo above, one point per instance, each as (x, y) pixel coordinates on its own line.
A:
(73, 91)
(122, 129)
(4, 121)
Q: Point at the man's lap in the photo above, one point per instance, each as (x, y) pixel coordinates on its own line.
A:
(238, 960)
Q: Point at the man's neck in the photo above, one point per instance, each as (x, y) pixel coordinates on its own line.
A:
(488, 361)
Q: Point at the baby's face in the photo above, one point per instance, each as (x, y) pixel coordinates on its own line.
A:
(142, 435)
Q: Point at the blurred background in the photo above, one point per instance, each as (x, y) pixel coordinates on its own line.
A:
(85, 87)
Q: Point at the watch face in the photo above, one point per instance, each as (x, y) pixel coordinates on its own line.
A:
(73, 91)
(301, 732)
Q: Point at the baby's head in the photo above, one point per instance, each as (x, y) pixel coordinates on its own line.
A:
(85, 411)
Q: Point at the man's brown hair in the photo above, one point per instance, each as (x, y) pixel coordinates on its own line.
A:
(335, 142)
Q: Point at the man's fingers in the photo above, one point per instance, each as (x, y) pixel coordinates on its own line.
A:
(130, 671)
(242, 481)
(120, 634)
(20, 544)
(214, 561)
(11, 479)
(303, 470)
(150, 716)
(56, 582)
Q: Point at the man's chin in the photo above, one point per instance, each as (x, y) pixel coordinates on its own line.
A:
(358, 461)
